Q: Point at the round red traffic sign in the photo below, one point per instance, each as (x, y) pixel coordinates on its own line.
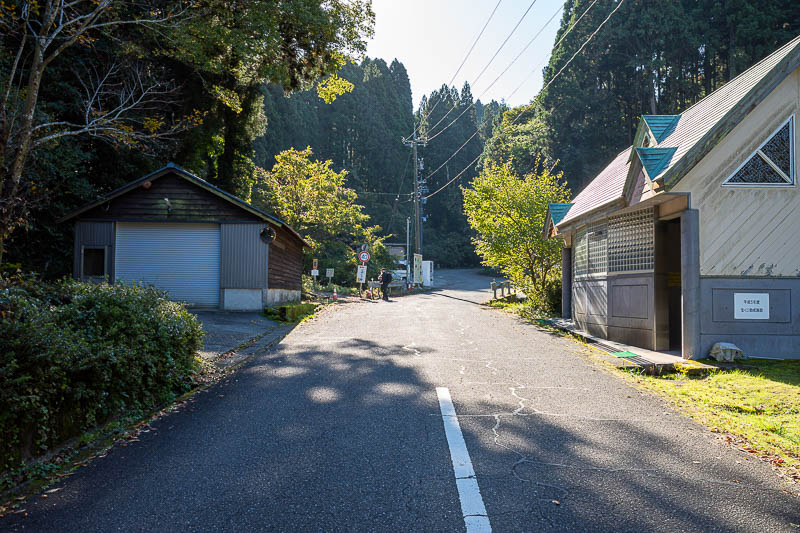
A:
(363, 257)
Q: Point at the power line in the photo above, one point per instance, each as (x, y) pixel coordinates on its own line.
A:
(540, 65)
(505, 41)
(490, 61)
(463, 61)
(536, 98)
(384, 193)
(512, 62)
(475, 42)
(403, 175)
(497, 78)
(540, 92)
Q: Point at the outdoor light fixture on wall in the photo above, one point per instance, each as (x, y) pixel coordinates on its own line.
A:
(169, 205)
(267, 235)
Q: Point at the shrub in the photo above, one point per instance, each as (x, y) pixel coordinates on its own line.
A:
(73, 355)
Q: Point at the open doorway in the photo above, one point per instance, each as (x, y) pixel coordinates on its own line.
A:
(674, 283)
(668, 285)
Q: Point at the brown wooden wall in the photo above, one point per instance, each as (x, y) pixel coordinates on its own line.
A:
(285, 261)
(190, 203)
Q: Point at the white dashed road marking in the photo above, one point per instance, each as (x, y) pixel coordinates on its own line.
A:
(472, 507)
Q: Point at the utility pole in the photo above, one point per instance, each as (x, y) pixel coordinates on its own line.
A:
(413, 142)
(408, 252)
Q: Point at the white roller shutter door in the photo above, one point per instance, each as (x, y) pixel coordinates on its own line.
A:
(183, 259)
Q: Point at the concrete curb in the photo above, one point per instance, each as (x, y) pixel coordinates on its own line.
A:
(251, 348)
(656, 366)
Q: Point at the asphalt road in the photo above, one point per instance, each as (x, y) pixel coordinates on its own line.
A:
(340, 429)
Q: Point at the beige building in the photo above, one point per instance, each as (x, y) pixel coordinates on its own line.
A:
(691, 236)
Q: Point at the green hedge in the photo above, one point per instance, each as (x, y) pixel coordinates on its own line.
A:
(73, 355)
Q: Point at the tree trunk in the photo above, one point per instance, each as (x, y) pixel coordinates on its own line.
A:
(731, 52)
(9, 184)
(225, 163)
(653, 95)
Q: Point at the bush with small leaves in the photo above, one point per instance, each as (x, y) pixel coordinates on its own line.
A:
(74, 355)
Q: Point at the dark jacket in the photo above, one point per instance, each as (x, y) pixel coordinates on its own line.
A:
(385, 278)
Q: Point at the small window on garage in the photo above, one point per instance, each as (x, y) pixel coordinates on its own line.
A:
(94, 262)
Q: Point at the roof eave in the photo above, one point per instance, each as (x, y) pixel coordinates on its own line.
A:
(548, 226)
(197, 181)
(563, 225)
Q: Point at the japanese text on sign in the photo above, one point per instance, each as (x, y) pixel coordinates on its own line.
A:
(750, 306)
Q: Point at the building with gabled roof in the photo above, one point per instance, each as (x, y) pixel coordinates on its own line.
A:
(177, 232)
(689, 236)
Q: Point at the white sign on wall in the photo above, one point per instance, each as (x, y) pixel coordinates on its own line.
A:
(750, 305)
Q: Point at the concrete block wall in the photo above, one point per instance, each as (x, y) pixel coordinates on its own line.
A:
(777, 336)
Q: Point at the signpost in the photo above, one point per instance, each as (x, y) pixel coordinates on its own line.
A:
(361, 275)
(329, 274)
(315, 271)
(418, 269)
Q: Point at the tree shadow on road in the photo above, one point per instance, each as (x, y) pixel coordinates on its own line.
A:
(346, 434)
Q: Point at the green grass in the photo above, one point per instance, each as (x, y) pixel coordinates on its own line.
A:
(523, 308)
(761, 406)
(290, 312)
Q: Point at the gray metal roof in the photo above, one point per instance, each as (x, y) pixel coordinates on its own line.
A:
(697, 120)
(172, 168)
(605, 189)
(697, 123)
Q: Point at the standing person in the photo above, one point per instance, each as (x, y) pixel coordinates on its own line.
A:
(385, 278)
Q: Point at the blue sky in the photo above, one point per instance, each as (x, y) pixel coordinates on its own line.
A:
(432, 37)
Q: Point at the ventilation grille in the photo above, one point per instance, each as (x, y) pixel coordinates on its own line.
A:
(631, 241)
(772, 163)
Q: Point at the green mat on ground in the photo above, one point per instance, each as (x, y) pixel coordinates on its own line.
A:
(624, 354)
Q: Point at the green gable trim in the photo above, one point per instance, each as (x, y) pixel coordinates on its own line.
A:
(555, 214)
(654, 160)
(558, 212)
(661, 125)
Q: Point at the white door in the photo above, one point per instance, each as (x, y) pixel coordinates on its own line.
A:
(182, 259)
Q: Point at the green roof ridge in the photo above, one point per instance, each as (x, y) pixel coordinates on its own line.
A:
(661, 126)
(655, 159)
(558, 211)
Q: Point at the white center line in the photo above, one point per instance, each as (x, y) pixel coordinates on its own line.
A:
(475, 517)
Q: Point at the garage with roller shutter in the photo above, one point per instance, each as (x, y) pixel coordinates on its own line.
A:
(203, 246)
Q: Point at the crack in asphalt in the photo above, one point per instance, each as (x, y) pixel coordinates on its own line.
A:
(411, 348)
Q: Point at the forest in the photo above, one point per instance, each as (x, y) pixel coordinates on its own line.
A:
(224, 105)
